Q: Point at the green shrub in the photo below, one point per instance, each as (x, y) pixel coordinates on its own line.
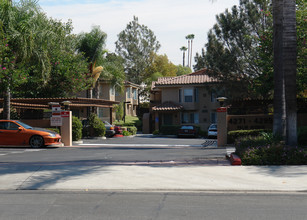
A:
(126, 133)
(156, 132)
(169, 129)
(97, 128)
(274, 155)
(76, 129)
(234, 135)
(56, 130)
(132, 130)
(266, 149)
(302, 136)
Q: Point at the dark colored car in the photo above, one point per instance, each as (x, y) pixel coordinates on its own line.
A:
(18, 133)
(212, 131)
(188, 131)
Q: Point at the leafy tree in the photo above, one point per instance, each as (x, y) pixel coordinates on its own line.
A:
(136, 44)
(113, 70)
(19, 23)
(161, 64)
(231, 51)
(68, 69)
(183, 70)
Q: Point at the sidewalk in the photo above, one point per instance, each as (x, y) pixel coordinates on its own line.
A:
(153, 177)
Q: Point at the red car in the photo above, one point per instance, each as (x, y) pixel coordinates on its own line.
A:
(18, 133)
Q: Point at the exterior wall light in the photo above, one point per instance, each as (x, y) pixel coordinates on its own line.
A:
(221, 100)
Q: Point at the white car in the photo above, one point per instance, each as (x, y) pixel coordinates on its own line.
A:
(212, 131)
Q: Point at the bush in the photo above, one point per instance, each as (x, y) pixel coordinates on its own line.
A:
(302, 136)
(76, 129)
(156, 132)
(96, 126)
(56, 130)
(132, 130)
(234, 135)
(266, 149)
(126, 133)
(169, 129)
(274, 155)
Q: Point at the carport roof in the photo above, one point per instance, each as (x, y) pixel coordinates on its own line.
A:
(43, 103)
(167, 106)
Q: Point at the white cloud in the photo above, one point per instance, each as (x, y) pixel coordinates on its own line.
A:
(170, 20)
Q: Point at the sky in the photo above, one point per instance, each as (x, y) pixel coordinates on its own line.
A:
(170, 20)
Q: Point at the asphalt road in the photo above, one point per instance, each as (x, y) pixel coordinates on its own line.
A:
(120, 150)
(113, 205)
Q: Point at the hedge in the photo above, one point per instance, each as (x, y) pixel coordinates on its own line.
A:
(234, 135)
(169, 129)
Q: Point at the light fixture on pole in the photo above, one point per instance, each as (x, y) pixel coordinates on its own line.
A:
(221, 100)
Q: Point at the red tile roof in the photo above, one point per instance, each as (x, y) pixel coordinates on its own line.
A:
(198, 77)
(167, 106)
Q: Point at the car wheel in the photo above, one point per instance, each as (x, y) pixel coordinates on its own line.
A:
(36, 141)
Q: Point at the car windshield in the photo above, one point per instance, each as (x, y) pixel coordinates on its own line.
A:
(106, 123)
(187, 127)
(213, 126)
(24, 125)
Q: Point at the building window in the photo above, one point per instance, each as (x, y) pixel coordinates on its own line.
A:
(196, 97)
(190, 117)
(135, 96)
(112, 90)
(188, 95)
(180, 95)
(213, 118)
(100, 113)
(128, 92)
(213, 96)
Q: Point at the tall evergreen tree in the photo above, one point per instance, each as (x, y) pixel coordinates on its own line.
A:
(136, 44)
(231, 52)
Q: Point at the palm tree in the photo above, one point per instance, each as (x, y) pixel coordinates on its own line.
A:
(92, 45)
(190, 38)
(21, 24)
(285, 106)
(183, 49)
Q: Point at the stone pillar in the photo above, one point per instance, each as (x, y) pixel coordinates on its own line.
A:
(66, 130)
(146, 125)
(221, 126)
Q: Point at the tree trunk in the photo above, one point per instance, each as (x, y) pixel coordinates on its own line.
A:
(285, 107)
(191, 54)
(183, 58)
(7, 103)
(289, 60)
(279, 122)
(188, 52)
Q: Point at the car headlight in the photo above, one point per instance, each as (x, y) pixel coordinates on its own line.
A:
(52, 135)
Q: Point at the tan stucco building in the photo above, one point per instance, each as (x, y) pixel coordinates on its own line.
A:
(186, 99)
